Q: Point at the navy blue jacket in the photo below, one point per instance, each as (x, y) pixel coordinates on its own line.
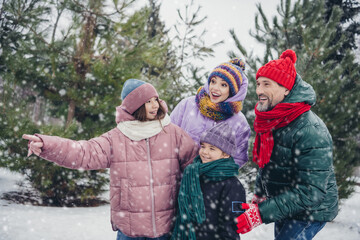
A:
(221, 200)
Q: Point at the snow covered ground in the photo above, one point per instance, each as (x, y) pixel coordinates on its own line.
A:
(24, 222)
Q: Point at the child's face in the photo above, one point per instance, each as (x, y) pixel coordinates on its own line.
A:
(151, 108)
(219, 90)
(209, 153)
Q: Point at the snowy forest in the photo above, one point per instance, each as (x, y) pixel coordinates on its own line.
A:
(63, 64)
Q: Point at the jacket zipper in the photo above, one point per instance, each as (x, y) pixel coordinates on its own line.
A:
(151, 188)
(264, 185)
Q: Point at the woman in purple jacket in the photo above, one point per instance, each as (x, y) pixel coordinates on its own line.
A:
(219, 100)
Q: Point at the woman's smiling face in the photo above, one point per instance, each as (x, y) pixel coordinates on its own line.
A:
(219, 90)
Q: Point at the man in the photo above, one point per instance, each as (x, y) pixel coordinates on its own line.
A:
(295, 185)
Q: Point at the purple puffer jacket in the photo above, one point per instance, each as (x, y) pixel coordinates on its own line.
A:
(144, 175)
(187, 116)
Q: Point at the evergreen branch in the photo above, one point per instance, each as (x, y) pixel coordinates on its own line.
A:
(263, 17)
(2, 9)
(237, 42)
(38, 36)
(59, 13)
(286, 19)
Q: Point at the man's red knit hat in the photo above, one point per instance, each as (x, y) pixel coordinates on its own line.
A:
(281, 70)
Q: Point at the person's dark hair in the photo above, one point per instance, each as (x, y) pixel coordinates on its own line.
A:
(140, 113)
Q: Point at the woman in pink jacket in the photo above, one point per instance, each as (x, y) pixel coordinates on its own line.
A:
(146, 154)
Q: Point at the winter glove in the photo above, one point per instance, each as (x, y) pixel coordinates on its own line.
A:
(256, 199)
(249, 219)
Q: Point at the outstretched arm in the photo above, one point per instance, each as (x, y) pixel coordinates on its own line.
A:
(35, 144)
(89, 155)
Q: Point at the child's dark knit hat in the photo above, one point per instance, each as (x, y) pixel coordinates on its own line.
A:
(232, 72)
(221, 136)
(135, 93)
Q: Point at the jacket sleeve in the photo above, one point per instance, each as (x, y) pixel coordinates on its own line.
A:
(313, 166)
(187, 147)
(178, 113)
(232, 196)
(242, 143)
(259, 190)
(88, 155)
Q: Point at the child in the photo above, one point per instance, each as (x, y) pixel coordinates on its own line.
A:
(145, 153)
(210, 192)
(219, 100)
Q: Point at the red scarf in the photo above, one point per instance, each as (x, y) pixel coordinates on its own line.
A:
(266, 122)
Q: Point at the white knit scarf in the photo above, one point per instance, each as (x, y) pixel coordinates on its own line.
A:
(136, 130)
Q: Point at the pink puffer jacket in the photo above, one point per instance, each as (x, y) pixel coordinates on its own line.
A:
(144, 175)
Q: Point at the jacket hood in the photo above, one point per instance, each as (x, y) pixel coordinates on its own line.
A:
(123, 115)
(239, 96)
(301, 92)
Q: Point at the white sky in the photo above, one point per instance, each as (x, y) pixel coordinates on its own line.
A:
(221, 17)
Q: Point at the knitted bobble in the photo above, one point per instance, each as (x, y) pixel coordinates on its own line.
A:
(290, 54)
(239, 62)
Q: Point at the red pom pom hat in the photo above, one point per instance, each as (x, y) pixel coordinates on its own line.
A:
(281, 70)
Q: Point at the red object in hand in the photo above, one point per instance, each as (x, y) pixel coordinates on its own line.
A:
(249, 219)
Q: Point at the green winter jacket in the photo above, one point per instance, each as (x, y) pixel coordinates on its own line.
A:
(299, 180)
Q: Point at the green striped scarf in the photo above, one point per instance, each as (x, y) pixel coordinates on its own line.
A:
(190, 199)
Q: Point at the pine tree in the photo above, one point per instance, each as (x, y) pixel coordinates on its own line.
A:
(161, 66)
(349, 25)
(310, 30)
(76, 68)
(189, 43)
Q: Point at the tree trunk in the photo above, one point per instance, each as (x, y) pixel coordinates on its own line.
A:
(84, 49)
(71, 113)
